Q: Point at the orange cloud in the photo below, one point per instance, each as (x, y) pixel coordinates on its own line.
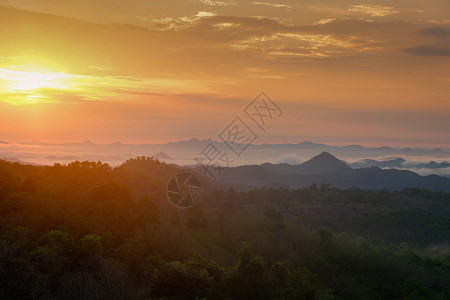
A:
(345, 77)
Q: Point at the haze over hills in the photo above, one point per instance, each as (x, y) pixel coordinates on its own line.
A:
(324, 163)
(393, 163)
(327, 169)
(277, 165)
(420, 160)
(287, 156)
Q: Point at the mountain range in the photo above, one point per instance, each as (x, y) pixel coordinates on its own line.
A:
(423, 161)
(329, 170)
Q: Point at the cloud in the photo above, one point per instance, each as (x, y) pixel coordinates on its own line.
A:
(231, 57)
(298, 45)
(436, 32)
(205, 14)
(272, 4)
(441, 22)
(15, 87)
(101, 68)
(440, 36)
(181, 23)
(374, 10)
(325, 21)
(142, 18)
(217, 3)
(429, 50)
(271, 38)
(204, 39)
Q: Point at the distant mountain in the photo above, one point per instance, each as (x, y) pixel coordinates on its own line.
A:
(434, 165)
(343, 151)
(393, 163)
(399, 163)
(11, 159)
(184, 152)
(354, 150)
(327, 169)
(349, 151)
(66, 158)
(324, 163)
(196, 144)
(162, 156)
(84, 144)
(16, 160)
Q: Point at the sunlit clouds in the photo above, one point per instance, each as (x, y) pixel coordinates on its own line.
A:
(374, 10)
(347, 71)
(218, 3)
(26, 87)
(272, 4)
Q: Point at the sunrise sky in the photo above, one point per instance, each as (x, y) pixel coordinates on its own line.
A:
(141, 71)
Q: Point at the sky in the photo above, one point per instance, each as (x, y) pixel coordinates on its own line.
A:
(139, 71)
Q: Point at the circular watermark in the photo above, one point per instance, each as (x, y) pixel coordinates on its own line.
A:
(184, 190)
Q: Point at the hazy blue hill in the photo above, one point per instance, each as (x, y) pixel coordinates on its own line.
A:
(400, 163)
(324, 163)
(327, 169)
(184, 151)
(434, 165)
(16, 160)
(311, 145)
(393, 163)
(162, 156)
(418, 152)
(353, 147)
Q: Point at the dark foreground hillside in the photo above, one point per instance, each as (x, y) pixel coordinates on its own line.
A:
(88, 231)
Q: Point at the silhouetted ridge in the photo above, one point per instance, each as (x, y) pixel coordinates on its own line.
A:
(162, 155)
(324, 163)
(393, 163)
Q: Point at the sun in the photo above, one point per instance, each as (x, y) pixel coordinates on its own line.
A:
(28, 81)
(33, 85)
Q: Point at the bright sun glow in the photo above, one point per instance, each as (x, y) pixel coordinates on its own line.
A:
(22, 85)
(31, 86)
(27, 81)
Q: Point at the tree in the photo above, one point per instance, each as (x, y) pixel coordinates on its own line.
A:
(178, 280)
(249, 278)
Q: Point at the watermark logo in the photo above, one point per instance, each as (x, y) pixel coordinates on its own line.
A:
(213, 160)
(262, 110)
(237, 136)
(184, 190)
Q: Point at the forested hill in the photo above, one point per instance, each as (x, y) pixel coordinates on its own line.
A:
(89, 231)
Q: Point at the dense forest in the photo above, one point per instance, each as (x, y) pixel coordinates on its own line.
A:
(89, 231)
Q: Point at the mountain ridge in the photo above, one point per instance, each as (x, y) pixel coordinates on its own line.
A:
(327, 169)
